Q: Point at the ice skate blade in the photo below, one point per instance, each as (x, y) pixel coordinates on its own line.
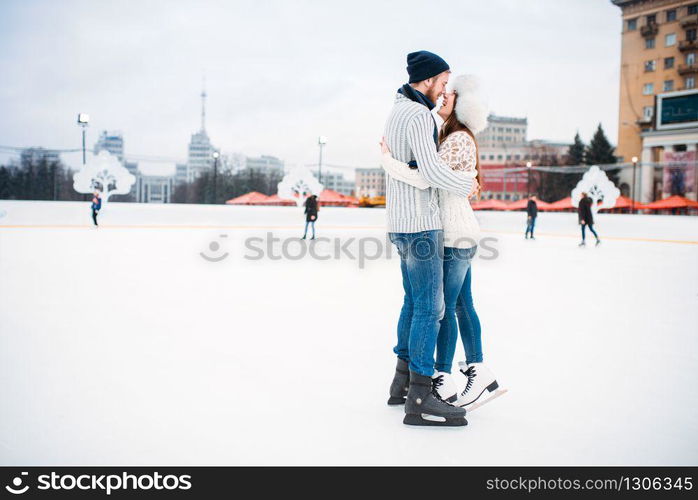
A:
(492, 396)
(424, 420)
(395, 401)
(463, 403)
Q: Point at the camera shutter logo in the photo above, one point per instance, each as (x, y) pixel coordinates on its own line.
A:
(16, 489)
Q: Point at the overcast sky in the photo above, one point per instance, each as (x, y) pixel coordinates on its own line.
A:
(280, 73)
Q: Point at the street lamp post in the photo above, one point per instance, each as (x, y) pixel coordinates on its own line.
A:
(322, 140)
(632, 192)
(83, 120)
(216, 154)
(528, 179)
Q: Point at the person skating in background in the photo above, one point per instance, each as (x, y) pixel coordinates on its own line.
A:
(311, 210)
(532, 212)
(586, 218)
(96, 206)
(464, 116)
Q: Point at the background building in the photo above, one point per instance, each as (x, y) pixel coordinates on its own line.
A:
(336, 182)
(658, 64)
(200, 155)
(36, 155)
(369, 182)
(264, 164)
(504, 150)
(200, 151)
(154, 188)
(180, 173)
(503, 132)
(234, 162)
(113, 142)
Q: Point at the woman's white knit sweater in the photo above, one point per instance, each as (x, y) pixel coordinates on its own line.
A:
(461, 229)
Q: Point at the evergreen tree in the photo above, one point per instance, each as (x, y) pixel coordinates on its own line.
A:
(600, 152)
(576, 151)
(5, 183)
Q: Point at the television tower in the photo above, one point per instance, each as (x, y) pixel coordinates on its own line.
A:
(203, 105)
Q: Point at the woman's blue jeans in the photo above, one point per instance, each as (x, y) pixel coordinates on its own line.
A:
(591, 228)
(458, 300)
(312, 225)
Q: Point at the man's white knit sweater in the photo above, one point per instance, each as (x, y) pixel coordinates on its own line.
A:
(409, 133)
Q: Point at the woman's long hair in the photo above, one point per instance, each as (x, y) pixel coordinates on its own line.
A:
(452, 125)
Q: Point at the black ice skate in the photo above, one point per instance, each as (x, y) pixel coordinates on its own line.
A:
(400, 385)
(425, 407)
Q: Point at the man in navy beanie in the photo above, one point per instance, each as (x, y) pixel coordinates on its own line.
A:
(414, 227)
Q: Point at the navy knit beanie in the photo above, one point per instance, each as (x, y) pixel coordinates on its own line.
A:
(423, 64)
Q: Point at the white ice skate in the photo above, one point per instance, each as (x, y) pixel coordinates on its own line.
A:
(481, 386)
(447, 389)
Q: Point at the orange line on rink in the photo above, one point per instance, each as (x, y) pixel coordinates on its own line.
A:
(299, 227)
(612, 238)
(167, 226)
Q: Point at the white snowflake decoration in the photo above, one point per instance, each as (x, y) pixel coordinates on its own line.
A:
(105, 173)
(298, 184)
(596, 184)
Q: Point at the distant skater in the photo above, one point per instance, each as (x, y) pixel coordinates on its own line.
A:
(311, 210)
(586, 218)
(96, 206)
(532, 211)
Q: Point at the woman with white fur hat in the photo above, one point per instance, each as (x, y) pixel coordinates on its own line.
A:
(464, 115)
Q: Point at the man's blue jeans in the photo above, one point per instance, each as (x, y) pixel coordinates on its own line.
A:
(530, 225)
(458, 298)
(421, 263)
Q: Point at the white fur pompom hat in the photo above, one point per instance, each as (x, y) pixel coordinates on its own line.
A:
(471, 108)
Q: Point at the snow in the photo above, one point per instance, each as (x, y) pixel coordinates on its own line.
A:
(123, 345)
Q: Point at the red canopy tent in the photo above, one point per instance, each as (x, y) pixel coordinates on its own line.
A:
(330, 198)
(624, 202)
(353, 202)
(489, 205)
(672, 202)
(563, 204)
(274, 200)
(523, 203)
(252, 198)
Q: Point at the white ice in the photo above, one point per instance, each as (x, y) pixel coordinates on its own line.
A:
(123, 345)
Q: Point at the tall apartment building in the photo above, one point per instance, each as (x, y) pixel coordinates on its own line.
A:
(659, 44)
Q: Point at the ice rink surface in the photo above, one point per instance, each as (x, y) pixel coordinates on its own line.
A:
(128, 345)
